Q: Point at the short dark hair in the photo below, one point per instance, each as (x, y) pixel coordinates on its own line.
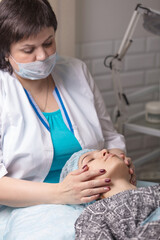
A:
(20, 19)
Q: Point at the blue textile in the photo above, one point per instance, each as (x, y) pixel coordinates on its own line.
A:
(64, 142)
(41, 222)
(154, 216)
(145, 183)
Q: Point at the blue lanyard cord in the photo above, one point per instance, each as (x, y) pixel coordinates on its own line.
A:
(36, 110)
(64, 110)
(42, 118)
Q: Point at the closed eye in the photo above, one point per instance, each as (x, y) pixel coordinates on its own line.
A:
(91, 160)
(28, 50)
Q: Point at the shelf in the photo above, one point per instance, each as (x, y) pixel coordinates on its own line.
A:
(137, 123)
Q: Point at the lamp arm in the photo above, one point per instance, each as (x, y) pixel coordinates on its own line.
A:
(127, 39)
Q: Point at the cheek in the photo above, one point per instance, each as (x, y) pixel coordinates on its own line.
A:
(51, 50)
(117, 170)
(96, 165)
(13, 64)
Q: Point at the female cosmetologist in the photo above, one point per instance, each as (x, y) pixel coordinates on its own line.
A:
(49, 109)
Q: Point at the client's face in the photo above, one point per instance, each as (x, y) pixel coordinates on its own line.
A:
(114, 166)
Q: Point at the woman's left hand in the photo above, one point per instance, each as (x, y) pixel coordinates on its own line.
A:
(130, 165)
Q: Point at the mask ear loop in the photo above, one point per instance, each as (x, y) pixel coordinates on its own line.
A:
(14, 59)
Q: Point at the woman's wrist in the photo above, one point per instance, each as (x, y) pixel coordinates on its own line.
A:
(54, 193)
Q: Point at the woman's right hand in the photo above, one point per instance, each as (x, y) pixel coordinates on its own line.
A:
(79, 187)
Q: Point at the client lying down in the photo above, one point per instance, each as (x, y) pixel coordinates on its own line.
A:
(125, 212)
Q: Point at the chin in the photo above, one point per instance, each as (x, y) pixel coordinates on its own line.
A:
(117, 169)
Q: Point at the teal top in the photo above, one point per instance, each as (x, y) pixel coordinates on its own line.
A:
(64, 144)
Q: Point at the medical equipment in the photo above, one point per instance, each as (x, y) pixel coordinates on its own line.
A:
(152, 112)
(151, 22)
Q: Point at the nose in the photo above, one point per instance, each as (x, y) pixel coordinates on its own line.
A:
(41, 54)
(103, 153)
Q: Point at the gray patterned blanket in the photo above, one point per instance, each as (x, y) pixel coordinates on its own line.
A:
(121, 216)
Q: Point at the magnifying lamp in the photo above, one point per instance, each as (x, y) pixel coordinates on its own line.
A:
(151, 22)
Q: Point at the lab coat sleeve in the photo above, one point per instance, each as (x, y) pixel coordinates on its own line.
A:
(3, 170)
(111, 137)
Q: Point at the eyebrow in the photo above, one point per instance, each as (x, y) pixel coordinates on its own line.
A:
(32, 45)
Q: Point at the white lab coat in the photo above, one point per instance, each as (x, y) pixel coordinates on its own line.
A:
(26, 150)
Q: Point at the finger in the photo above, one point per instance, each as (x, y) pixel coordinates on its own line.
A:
(129, 161)
(94, 191)
(79, 171)
(126, 161)
(133, 179)
(90, 199)
(96, 185)
(122, 155)
(134, 182)
(88, 175)
(132, 166)
(131, 171)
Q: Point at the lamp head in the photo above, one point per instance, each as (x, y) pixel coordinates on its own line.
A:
(152, 22)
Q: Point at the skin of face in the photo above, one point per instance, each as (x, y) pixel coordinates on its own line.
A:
(114, 166)
(34, 48)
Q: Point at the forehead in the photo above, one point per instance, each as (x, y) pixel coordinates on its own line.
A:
(42, 36)
(85, 154)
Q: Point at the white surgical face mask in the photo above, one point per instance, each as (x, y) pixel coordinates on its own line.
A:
(36, 70)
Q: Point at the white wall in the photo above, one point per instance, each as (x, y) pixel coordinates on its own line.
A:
(107, 19)
(65, 12)
(100, 27)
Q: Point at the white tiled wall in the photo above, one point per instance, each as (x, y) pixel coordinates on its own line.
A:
(141, 67)
(100, 27)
